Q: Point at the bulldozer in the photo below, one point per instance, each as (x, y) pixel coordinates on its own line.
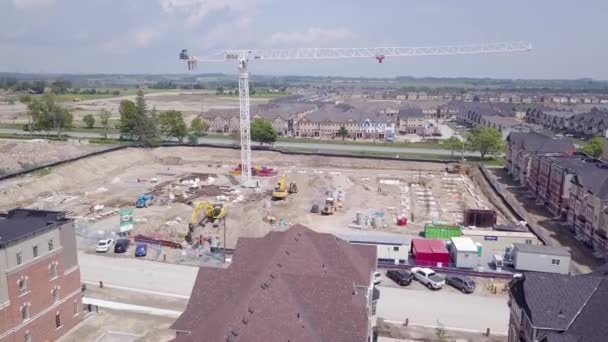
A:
(330, 207)
(281, 190)
(213, 213)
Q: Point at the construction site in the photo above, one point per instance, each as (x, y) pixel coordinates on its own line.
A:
(189, 201)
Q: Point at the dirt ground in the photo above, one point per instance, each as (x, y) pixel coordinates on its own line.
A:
(379, 191)
(394, 332)
(189, 103)
(16, 155)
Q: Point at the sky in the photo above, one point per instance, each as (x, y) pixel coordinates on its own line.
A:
(145, 36)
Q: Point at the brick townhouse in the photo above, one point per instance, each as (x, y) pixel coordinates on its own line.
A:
(552, 181)
(520, 148)
(588, 204)
(40, 288)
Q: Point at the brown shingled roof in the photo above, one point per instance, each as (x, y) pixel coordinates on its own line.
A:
(296, 285)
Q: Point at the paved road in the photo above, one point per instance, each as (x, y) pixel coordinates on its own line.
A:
(421, 306)
(138, 274)
(455, 310)
(309, 146)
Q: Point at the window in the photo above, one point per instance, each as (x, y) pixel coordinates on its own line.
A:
(57, 321)
(395, 249)
(55, 295)
(35, 251)
(19, 258)
(22, 284)
(555, 261)
(53, 270)
(25, 312)
(28, 337)
(76, 308)
(51, 246)
(528, 242)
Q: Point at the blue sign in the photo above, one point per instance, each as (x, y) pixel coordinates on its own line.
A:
(490, 238)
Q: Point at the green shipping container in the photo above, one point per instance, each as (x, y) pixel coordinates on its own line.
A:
(442, 232)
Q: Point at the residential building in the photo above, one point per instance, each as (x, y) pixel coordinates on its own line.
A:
(411, 120)
(40, 288)
(285, 286)
(588, 201)
(521, 147)
(547, 307)
(552, 181)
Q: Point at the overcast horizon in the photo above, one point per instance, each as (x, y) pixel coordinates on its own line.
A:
(145, 36)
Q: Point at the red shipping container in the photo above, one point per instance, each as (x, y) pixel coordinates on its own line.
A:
(422, 252)
(440, 253)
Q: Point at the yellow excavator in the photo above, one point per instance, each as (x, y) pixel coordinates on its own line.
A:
(281, 190)
(213, 213)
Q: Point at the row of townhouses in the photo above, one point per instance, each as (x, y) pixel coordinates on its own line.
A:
(573, 186)
(503, 117)
(587, 123)
(363, 120)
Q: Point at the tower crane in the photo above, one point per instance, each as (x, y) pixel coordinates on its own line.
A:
(243, 57)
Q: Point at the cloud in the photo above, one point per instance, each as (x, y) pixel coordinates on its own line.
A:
(197, 10)
(144, 37)
(32, 4)
(319, 36)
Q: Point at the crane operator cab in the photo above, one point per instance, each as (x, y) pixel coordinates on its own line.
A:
(217, 210)
(184, 55)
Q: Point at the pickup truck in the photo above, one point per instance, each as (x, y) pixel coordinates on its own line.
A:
(428, 277)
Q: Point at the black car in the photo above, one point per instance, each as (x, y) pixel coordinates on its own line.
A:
(121, 245)
(401, 277)
(461, 282)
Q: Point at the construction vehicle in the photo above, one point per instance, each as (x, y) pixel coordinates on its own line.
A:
(330, 207)
(144, 200)
(213, 213)
(281, 190)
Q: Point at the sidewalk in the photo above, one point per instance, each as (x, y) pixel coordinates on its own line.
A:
(131, 308)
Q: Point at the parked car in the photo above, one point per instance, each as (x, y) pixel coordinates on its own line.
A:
(377, 278)
(141, 250)
(463, 283)
(104, 245)
(401, 277)
(428, 277)
(121, 246)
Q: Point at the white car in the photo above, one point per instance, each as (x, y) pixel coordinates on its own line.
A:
(104, 245)
(428, 277)
(377, 278)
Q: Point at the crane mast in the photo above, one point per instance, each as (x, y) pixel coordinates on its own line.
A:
(243, 57)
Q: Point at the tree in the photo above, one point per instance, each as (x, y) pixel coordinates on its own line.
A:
(26, 99)
(146, 123)
(453, 143)
(172, 125)
(251, 90)
(104, 119)
(219, 90)
(38, 87)
(59, 87)
(47, 114)
(128, 118)
(263, 132)
(343, 132)
(486, 140)
(89, 120)
(594, 147)
(199, 127)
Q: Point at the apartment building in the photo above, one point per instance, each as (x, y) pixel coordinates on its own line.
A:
(545, 307)
(40, 288)
(521, 147)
